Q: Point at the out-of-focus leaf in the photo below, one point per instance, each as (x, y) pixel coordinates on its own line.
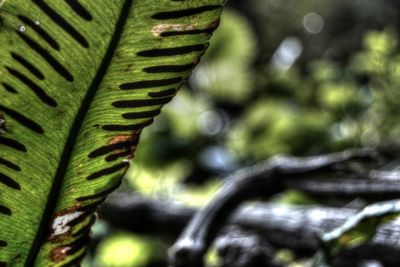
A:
(128, 250)
(274, 127)
(226, 73)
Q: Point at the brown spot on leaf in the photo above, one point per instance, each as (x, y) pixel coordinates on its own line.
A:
(195, 61)
(123, 138)
(59, 254)
(213, 25)
(132, 138)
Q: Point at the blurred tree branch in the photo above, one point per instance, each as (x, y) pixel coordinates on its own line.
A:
(347, 175)
(295, 227)
(262, 180)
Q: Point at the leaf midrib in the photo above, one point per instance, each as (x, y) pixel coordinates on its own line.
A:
(73, 136)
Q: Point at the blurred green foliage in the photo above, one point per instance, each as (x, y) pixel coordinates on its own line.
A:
(280, 76)
(225, 73)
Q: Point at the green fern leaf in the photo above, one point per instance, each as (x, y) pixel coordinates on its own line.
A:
(79, 80)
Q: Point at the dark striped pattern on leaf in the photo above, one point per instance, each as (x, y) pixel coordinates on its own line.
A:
(79, 81)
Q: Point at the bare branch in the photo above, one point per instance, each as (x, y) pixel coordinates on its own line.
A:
(295, 227)
(260, 180)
